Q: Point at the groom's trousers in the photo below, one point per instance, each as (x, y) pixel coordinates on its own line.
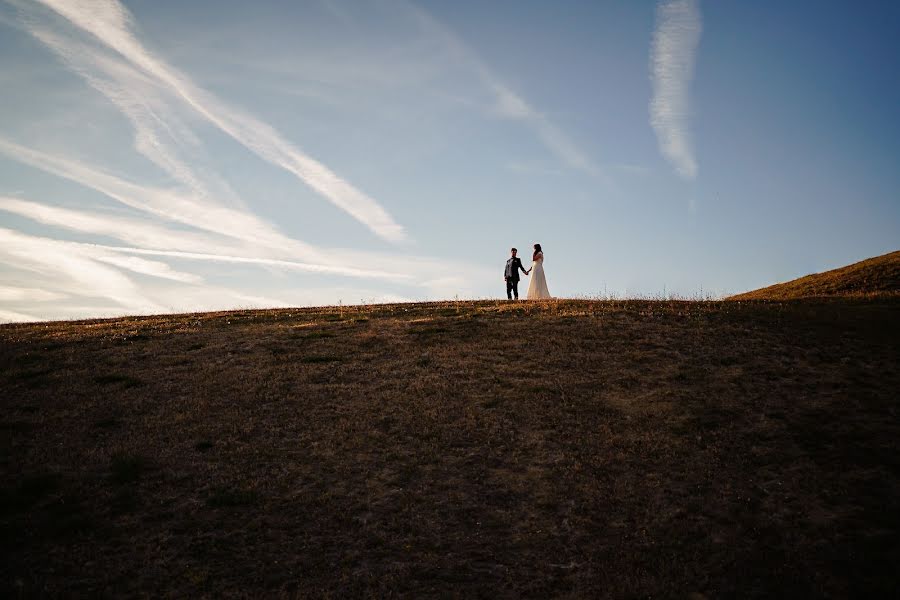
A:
(512, 287)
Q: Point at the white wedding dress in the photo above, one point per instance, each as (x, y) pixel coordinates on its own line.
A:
(537, 287)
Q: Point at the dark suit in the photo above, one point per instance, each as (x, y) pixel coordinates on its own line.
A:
(511, 275)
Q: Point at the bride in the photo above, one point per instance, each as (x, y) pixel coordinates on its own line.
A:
(537, 287)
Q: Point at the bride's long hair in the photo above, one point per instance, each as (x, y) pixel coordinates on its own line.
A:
(537, 249)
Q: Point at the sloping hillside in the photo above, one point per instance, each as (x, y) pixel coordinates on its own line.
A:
(492, 449)
(878, 276)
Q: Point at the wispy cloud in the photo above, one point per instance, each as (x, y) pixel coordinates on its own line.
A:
(158, 241)
(672, 53)
(160, 134)
(111, 23)
(147, 256)
(170, 204)
(153, 268)
(71, 269)
(138, 232)
(154, 240)
(271, 262)
(12, 243)
(19, 294)
(507, 103)
(11, 316)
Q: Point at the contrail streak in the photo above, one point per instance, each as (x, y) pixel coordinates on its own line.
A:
(672, 57)
(110, 22)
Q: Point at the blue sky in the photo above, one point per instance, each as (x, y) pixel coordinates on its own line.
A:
(162, 156)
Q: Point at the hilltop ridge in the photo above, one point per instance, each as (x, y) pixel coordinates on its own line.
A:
(879, 275)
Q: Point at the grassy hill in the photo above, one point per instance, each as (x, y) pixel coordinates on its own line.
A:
(587, 449)
(873, 276)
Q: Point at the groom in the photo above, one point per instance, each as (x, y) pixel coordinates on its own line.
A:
(511, 275)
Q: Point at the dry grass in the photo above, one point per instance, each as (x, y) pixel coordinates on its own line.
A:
(879, 276)
(567, 448)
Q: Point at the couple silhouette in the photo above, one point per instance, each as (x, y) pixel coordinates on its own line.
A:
(537, 287)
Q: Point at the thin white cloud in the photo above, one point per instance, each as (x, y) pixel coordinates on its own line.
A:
(507, 103)
(11, 316)
(159, 241)
(169, 204)
(271, 262)
(151, 239)
(63, 312)
(160, 134)
(672, 54)
(154, 240)
(137, 232)
(98, 253)
(153, 268)
(27, 294)
(111, 23)
(71, 270)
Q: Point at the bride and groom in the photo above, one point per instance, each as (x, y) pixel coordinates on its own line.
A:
(537, 287)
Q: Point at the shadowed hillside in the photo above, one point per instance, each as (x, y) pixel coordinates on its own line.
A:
(567, 448)
(873, 276)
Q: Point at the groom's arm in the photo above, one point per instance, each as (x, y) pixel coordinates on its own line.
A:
(523, 268)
